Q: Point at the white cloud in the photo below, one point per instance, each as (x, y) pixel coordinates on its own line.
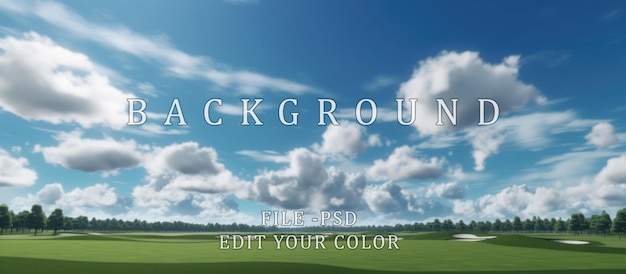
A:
(374, 140)
(606, 191)
(183, 176)
(307, 184)
(265, 156)
(402, 165)
(548, 58)
(147, 89)
(515, 200)
(385, 198)
(610, 184)
(67, 89)
(176, 62)
(529, 131)
(382, 114)
(50, 193)
(380, 82)
(94, 198)
(190, 167)
(151, 129)
(602, 135)
(467, 77)
(14, 171)
(451, 190)
(347, 138)
(567, 167)
(76, 152)
(98, 195)
(391, 199)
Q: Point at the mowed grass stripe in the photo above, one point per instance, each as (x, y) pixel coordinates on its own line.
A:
(414, 255)
(37, 266)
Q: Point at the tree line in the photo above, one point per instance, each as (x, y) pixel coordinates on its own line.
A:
(35, 219)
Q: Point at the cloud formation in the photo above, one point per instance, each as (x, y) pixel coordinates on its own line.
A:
(403, 164)
(602, 135)
(606, 191)
(68, 86)
(90, 155)
(347, 138)
(391, 199)
(451, 190)
(307, 184)
(14, 171)
(467, 77)
(157, 49)
(98, 197)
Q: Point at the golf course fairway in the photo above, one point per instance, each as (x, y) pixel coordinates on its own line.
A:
(194, 253)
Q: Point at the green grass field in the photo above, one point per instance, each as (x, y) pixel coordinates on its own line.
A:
(200, 253)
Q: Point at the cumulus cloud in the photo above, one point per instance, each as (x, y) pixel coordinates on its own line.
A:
(307, 184)
(451, 190)
(14, 171)
(402, 164)
(86, 154)
(98, 197)
(50, 193)
(610, 183)
(467, 77)
(606, 191)
(390, 198)
(186, 174)
(68, 89)
(347, 138)
(515, 200)
(602, 135)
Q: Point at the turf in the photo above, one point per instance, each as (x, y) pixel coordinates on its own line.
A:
(191, 253)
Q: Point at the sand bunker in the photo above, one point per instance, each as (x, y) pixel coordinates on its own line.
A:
(470, 238)
(571, 242)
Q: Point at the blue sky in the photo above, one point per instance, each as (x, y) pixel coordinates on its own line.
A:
(555, 69)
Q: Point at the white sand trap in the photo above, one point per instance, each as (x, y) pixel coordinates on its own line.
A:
(470, 237)
(571, 242)
(63, 234)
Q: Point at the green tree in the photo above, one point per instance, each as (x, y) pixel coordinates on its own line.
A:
(12, 220)
(517, 224)
(447, 225)
(436, 225)
(507, 225)
(497, 225)
(528, 225)
(36, 218)
(539, 226)
(472, 225)
(604, 223)
(21, 220)
(577, 223)
(559, 226)
(460, 226)
(5, 218)
(55, 220)
(81, 222)
(619, 223)
(68, 223)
